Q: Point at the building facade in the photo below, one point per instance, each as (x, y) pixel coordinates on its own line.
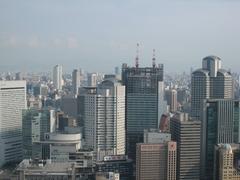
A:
(186, 132)
(220, 124)
(144, 102)
(171, 98)
(211, 81)
(34, 126)
(12, 102)
(227, 162)
(57, 77)
(102, 112)
(156, 161)
(76, 81)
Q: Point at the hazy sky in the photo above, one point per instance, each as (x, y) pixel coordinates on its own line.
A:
(99, 35)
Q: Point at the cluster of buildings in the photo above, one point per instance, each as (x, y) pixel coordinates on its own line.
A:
(128, 126)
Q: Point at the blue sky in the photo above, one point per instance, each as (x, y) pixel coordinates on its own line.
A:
(98, 35)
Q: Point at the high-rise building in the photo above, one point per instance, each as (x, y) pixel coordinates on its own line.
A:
(171, 97)
(220, 124)
(209, 82)
(144, 102)
(34, 125)
(102, 112)
(57, 77)
(227, 162)
(92, 79)
(12, 102)
(19, 76)
(156, 161)
(186, 132)
(76, 81)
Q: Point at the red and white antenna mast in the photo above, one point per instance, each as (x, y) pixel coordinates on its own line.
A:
(137, 57)
(154, 59)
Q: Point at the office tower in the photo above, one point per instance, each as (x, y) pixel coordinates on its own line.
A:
(156, 161)
(227, 162)
(156, 136)
(76, 81)
(209, 82)
(12, 102)
(171, 97)
(144, 101)
(220, 124)
(102, 111)
(57, 77)
(186, 132)
(92, 79)
(34, 125)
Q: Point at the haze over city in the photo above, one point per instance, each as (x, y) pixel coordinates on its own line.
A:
(98, 35)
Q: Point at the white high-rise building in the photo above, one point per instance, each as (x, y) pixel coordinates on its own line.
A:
(12, 102)
(92, 79)
(57, 77)
(102, 110)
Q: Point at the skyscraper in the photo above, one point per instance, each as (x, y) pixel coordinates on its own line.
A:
(144, 101)
(209, 82)
(34, 125)
(156, 161)
(186, 132)
(57, 77)
(171, 97)
(220, 124)
(12, 102)
(75, 81)
(102, 111)
(92, 79)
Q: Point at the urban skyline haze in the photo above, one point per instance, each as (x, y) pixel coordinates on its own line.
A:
(98, 35)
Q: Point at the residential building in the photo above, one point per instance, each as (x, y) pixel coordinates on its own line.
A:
(102, 112)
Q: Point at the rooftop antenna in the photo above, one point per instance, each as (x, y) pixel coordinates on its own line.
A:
(153, 59)
(137, 58)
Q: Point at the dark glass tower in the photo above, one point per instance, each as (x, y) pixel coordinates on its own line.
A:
(220, 124)
(144, 102)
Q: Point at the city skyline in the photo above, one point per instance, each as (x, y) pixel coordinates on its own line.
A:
(38, 35)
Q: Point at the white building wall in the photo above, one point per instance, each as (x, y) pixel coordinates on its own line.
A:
(12, 102)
